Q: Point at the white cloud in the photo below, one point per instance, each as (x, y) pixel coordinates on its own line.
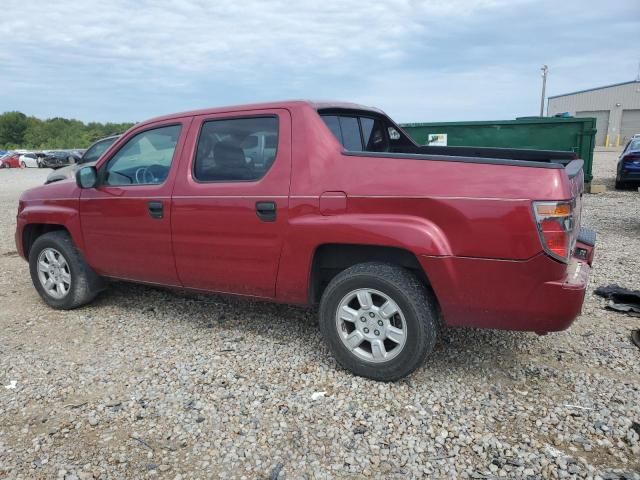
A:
(128, 59)
(224, 37)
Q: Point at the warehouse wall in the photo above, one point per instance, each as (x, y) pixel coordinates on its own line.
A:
(609, 105)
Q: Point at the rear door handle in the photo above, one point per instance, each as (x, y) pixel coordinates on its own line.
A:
(266, 211)
(156, 209)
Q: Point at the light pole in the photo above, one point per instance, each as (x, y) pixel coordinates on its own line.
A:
(545, 70)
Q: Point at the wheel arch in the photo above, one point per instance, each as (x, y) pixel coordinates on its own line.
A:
(330, 259)
(32, 231)
(381, 236)
(35, 218)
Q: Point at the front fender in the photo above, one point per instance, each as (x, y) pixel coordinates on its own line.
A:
(308, 232)
(63, 213)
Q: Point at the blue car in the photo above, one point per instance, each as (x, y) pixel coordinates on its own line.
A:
(628, 171)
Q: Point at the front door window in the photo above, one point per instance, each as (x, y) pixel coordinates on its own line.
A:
(145, 159)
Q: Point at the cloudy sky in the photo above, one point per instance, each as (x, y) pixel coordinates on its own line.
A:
(127, 60)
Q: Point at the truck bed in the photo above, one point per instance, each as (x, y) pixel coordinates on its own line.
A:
(545, 156)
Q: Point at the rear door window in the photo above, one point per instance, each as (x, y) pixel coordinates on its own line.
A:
(236, 149)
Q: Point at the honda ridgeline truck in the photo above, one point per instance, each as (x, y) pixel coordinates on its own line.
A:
(321, 203)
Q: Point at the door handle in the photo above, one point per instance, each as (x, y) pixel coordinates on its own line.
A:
(266, 211)
(156, 209)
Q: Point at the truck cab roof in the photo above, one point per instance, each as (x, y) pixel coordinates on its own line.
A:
(285, 104)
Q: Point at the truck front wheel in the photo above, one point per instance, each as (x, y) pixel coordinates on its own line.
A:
(379, 320)
(59, 273)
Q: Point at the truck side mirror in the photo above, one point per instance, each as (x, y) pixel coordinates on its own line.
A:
(87, 177)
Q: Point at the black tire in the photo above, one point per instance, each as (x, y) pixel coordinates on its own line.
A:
(85, 284)
(415, 302)
(620, 185)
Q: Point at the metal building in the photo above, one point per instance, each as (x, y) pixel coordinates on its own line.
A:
(615, 107)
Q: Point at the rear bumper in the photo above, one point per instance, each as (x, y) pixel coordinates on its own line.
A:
(539, 295)
(628, 172)
(627, 176)
(555, 305)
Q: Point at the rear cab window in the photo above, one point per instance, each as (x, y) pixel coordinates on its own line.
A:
(359, 131)
(351, 139)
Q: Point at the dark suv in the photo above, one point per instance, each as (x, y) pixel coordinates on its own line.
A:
(90, 156)
(628, 169)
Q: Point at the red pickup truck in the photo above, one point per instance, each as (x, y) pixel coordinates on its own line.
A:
(322, 203)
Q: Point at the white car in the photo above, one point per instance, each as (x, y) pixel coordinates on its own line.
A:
(29, 160)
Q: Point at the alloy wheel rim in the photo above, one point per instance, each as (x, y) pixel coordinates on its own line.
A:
(54, 273)
(371, 325)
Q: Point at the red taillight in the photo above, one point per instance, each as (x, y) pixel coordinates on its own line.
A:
(555, 238)
(631, 157)
(555, 226)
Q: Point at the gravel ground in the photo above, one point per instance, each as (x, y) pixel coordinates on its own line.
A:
(146, 383)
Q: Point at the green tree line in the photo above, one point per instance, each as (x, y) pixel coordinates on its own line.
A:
(18, 130)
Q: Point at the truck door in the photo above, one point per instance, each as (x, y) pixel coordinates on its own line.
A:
(126, 219)
(230, 201)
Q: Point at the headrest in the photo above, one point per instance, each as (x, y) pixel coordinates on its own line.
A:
(226, 154)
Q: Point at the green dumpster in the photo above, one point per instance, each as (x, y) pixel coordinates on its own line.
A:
(543, 133)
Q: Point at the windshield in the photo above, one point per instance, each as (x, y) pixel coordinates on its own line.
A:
(97, 149)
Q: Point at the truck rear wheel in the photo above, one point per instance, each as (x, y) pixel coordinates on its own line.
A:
(59, 273)
(379, 320)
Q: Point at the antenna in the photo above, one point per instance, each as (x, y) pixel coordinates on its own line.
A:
(638, 76)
